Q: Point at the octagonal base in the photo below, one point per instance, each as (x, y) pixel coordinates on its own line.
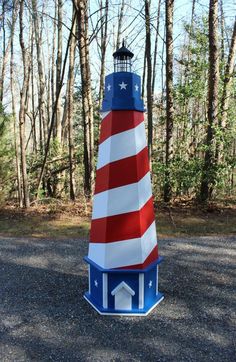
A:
(123, 291)
(134, 312)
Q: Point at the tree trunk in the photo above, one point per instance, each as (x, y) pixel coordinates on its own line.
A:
(22, 112)
(144, 72)
(70, 107)
(57, 180)
(6, 47)
(16, 143)
(149, 78)
(57, 133)
(228, 76)
(90, 101)
(227, 81)
(82, 20)
(186, 119)
(156, 47)
(35, 146)
(222, 29)
(103, 47)
(120, 23)
(53, 59)
(169, 99)
(162, 70)
(41, 76)
(209, 167)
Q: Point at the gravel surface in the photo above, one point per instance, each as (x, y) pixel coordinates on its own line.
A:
(43, 316)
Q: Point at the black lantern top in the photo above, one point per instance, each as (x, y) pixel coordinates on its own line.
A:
(122, 59)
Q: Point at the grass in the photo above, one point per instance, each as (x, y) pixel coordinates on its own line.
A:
(45, 222)
(196, 223)
(62, 221)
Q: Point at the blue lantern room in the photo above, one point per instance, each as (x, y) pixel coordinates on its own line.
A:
(122, 88)
(117, 291)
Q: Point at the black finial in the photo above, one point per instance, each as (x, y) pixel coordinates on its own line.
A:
(123, 42)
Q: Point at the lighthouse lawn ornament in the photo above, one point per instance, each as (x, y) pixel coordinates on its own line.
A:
(123, 256)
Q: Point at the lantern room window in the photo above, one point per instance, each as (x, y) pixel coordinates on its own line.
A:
(122, 59)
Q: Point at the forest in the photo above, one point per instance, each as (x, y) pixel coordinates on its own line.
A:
(54, 56)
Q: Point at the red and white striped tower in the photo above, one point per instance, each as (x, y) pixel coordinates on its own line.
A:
(123, 254)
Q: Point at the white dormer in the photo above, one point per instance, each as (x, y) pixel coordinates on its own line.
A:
(123, 296)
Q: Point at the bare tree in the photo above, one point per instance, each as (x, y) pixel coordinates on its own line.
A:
(224, 105)
(53, 57)
(16, 142)
(144, 72)
(82, 20)
(120, 23)
(54, 110)
(70, 107)
(57, 132)
(103, 47)
(6, 46)
(209, 167)
(23, 104)
(169, 99)
(42, 85)
(156, 47)
(149, 77)
(5, 51)
(228, 75)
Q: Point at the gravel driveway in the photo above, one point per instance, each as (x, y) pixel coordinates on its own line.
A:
(43, 316)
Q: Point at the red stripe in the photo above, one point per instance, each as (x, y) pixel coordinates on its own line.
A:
(122, 227)
(119, 121)
(150, 259)
(122, 172)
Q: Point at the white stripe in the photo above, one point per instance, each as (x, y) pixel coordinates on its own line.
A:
(104, 290)
(122, 199)
(124, 253)
(104, 114)
(141, 291)
(122, 145)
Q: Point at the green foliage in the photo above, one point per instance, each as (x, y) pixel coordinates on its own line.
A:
(190, 103)
(186, 175)
(6, 156)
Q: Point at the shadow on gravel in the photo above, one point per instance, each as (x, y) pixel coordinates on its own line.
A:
(45, 318)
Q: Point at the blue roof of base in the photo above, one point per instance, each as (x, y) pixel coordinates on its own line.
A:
(122, 92)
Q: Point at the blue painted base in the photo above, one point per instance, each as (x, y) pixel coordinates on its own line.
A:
(134, 312)
(123, 291)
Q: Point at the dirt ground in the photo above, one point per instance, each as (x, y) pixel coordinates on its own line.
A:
(72, 220)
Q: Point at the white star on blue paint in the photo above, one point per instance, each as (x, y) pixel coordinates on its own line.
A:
(136, 87)
(109, 87)
(96, 283)
(123, 85)
(150, 284)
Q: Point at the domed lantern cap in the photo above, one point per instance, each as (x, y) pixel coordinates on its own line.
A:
(122, 59)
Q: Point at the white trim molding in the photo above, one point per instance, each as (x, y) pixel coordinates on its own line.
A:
(104, 291)
(141, 291)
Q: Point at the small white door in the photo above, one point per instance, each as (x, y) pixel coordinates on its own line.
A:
(123, 300)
